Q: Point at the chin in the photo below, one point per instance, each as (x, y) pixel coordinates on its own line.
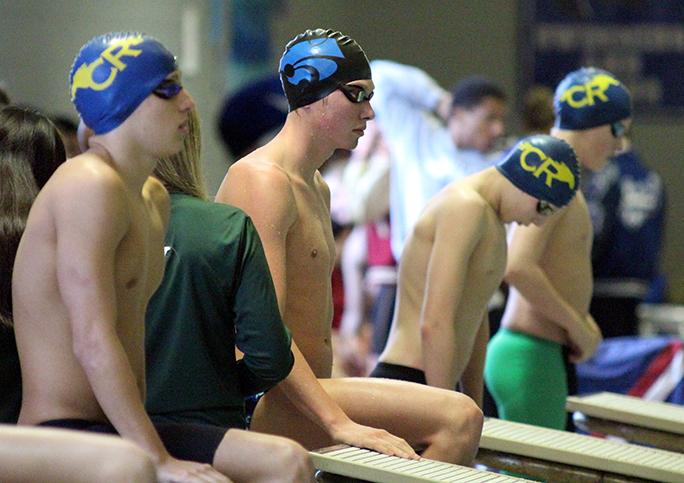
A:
(171, 149)
(351, 145)
(597, 164)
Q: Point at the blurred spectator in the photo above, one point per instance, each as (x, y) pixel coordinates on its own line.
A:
(368, 267)
(251, 116)
(434, 136)
(537, 110)
(30, 151)
(627, 206)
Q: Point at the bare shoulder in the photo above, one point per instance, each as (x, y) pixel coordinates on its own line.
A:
(460, 202)
(88, 171)
(155, 192)
(87, 186)
(256, 175)
(258, 185)
(321, 185)
(257, 170)
(573, 218)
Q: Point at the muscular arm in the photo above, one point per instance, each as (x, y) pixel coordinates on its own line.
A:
(260, 334)
(444, 288)
(265, 194)
(471, 380)
(92, 218)
(524, 272)
(91, 222)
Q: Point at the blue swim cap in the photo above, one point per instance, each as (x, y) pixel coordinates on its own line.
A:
(590, 97)
(315, 63)
(113, 74)
(544, 167)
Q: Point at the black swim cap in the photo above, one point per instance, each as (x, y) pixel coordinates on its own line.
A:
(316, 62)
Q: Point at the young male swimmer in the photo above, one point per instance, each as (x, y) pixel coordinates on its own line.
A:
(456, 257)
(547, 324)
(328, 83)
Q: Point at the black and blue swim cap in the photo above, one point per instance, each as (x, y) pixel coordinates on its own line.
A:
(590, 97)
(113, 74)
(544, 167)
(316, 62)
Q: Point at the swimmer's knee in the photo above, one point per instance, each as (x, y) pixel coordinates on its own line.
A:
(458, 430)
(127, 464)
(463, 425)
(462, 411)
(289, 460)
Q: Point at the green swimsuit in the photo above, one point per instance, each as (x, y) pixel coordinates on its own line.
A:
(526, 377)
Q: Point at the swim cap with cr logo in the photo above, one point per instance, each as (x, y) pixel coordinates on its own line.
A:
(544, 167)
(113, 74)
(590, 97)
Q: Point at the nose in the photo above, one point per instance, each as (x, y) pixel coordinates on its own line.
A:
(368, 112)
(539, 220)
(185, 101)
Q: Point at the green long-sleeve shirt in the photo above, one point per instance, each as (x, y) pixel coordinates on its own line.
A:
(217, 293)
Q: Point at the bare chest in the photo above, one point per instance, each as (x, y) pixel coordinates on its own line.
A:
(570, 243)
(311, 246)
(139, 258)
(488, 262)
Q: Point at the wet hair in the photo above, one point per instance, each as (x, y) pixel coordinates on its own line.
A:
(31, 149)
(471, 91)
(182, 172)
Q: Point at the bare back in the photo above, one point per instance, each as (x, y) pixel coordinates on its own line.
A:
(474, 259)
(85, 230)
(566, 261)
(292, 216)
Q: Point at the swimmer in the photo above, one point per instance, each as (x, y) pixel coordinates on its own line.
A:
(328, 83)
(95, 236)
(455, 259)
(546, 324)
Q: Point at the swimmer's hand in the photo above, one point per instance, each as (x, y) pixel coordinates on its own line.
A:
(171, 470)
(585, 341)
(351, 433)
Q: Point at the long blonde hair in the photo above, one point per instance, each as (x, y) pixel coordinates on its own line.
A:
(182, 172)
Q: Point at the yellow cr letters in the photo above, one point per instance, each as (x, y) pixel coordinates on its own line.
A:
(83, 77)
(553, 170)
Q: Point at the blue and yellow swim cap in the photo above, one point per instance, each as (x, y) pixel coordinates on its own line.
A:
(590, 97)
(316, 62)
(113, 74)
(544, 167)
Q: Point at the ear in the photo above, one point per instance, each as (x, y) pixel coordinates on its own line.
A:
(83, 134)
